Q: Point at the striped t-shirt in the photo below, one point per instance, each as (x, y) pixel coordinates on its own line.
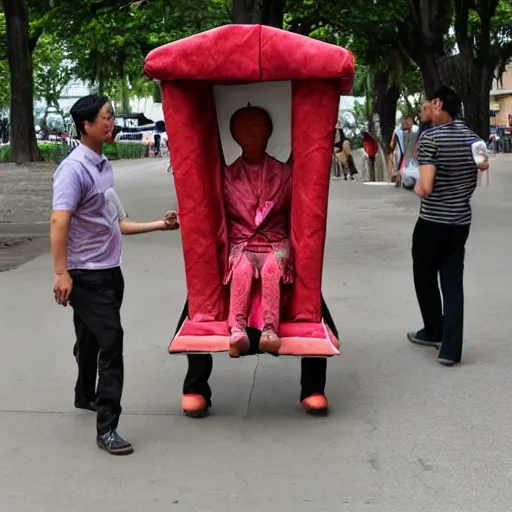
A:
(448, 147)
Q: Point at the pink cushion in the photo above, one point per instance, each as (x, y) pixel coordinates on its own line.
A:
(300, 339)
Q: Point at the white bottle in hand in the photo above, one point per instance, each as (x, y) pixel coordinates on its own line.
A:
(481, 158)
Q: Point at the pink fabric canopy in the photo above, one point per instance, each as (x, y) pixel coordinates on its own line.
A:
(250, 53)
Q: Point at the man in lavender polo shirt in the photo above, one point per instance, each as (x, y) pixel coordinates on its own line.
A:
(87, 225)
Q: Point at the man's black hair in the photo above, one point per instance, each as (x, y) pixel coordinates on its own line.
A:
(450, 99)
(87, 109)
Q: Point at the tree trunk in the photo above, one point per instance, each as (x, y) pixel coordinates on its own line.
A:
(473, 82)
(388, 115)
(44, 124)
(125, 95)
(369, 114)
(472, 70)
(100, 79)
(125, 90)
(430, 73)
(264, 12)
(157, 93)
(422, 35)
(101, 85)
(385, 102)
(476, 106)
(22, 133)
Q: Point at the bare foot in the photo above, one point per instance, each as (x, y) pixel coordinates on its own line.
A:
(270, 342)
(238, 343)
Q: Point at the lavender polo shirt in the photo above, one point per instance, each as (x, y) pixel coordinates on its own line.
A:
(84, 184)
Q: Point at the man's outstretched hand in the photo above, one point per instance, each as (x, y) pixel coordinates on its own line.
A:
(171, 221)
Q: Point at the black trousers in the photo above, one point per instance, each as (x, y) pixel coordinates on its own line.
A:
(313, 369)
(157, 139)
(438, 252)
(96, 300)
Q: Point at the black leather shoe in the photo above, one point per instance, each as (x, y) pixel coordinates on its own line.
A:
(114, 444)
(85, 405)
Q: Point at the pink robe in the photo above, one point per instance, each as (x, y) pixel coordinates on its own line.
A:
(258, 202)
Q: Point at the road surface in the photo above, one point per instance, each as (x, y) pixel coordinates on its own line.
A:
(404, 433)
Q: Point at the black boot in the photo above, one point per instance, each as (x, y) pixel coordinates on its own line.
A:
(114, 444)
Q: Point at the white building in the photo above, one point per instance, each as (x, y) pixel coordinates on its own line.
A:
(76, 89)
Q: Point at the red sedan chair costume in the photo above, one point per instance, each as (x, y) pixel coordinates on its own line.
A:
(191, 71)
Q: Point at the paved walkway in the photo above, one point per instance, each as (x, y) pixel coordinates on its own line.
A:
(404, 434)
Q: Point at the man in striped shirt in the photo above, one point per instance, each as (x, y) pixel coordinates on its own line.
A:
(448, 177)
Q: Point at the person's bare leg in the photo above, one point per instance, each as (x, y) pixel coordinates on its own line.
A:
(240, 301)
(271, 298)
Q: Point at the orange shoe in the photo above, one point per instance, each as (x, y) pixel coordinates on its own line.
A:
(194, 406)
(315, 404)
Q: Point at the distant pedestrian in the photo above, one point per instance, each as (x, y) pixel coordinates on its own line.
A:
(448, 177)
(344, 159)
(401, 150)
(157, 141)
(86, 227)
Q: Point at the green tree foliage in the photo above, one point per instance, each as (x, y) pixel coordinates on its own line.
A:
(401, 46)
(369, 29)
(26, 20)
(5, 87)
(52, 72)
(483, 46)
(501, 36)
(108, 49)
(397, 41)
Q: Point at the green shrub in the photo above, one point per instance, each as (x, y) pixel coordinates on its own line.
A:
(55, 153)
(136, 151)
(124, 151)
(110, 151)
(5, 154)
